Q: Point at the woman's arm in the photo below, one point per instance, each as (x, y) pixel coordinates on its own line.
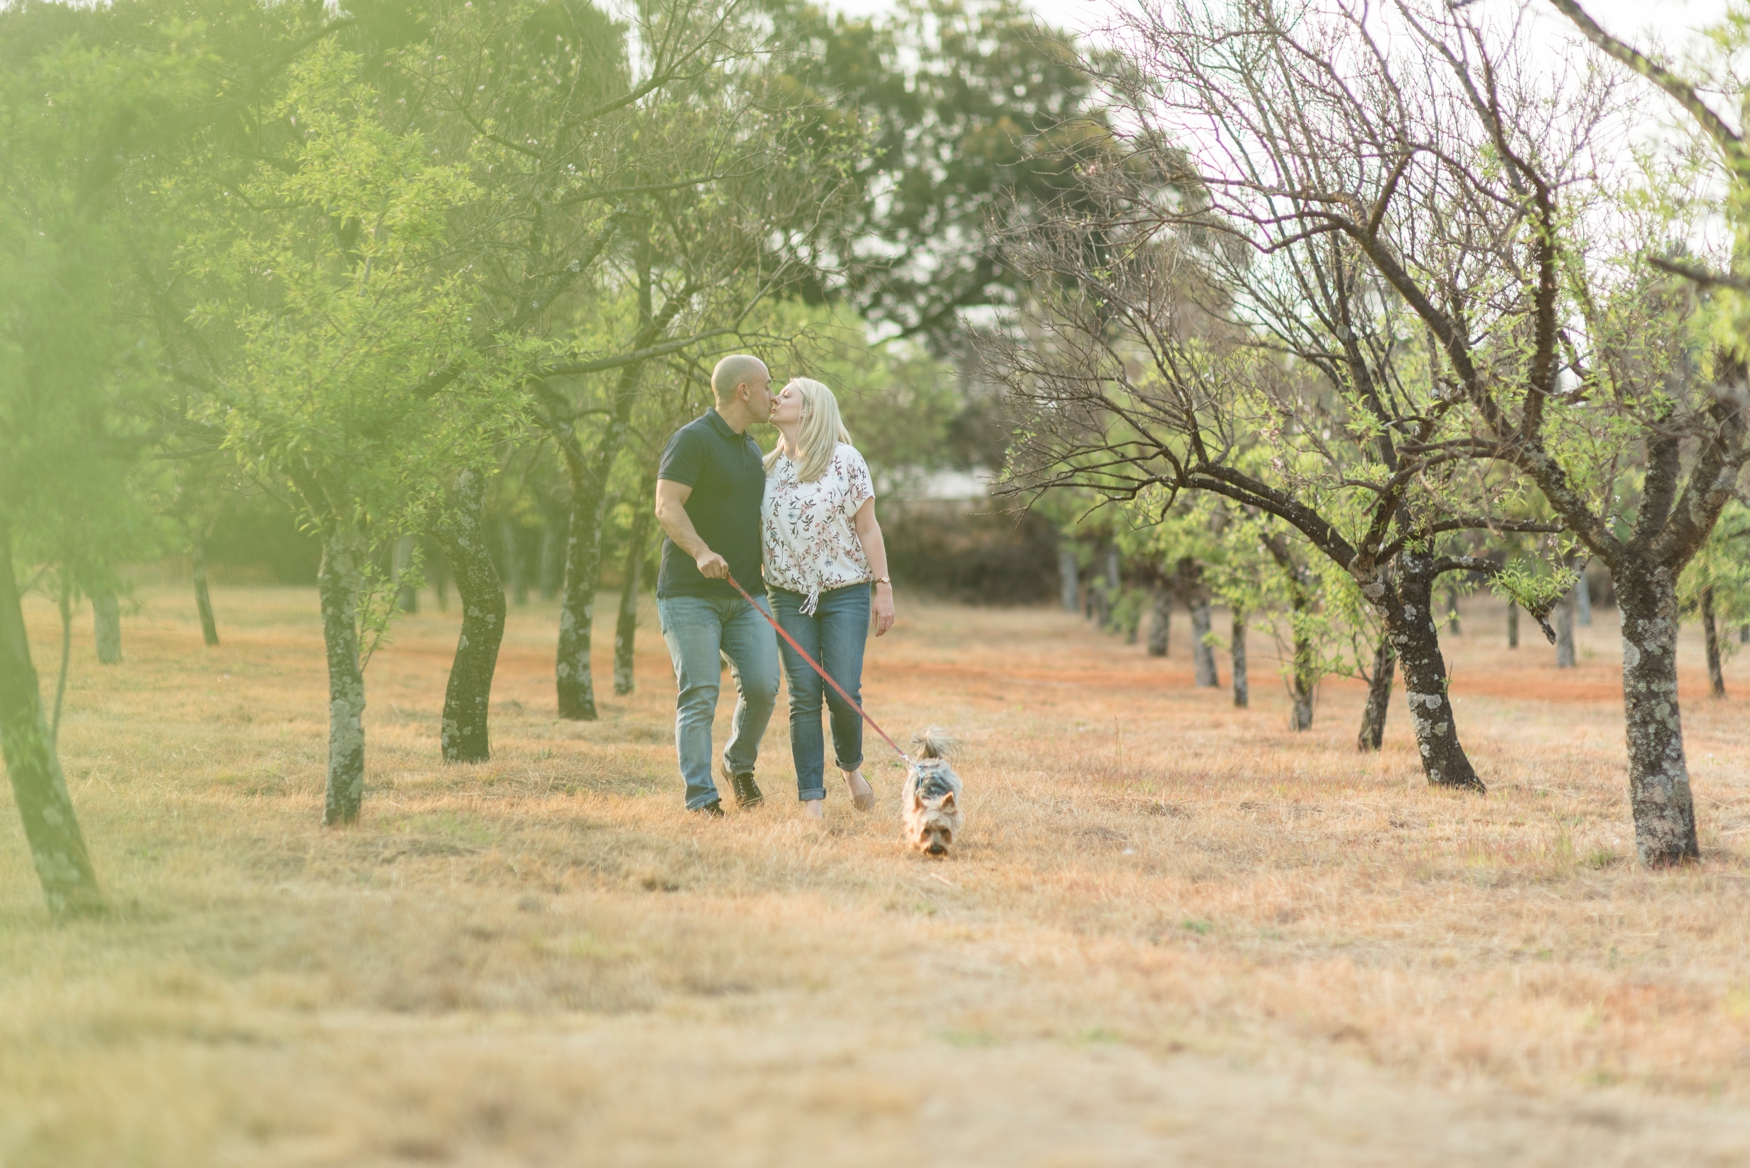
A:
(875, 549)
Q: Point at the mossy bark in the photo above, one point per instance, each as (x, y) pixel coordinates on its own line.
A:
(1304, 677)
(106, 619)
(626, 626)
(1379, 687)
(1195, 593)
(57, 846)
(338, 583)
(1242, 685)
(1710, 629)
(203, 600)
(1160, 621)
(1565, 632)
(583, 565)
(466, 731)
(1658, 776)
(1202, 652)
(583, 555)
(1416, 644)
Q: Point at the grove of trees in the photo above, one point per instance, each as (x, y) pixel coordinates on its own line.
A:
(1321, 312)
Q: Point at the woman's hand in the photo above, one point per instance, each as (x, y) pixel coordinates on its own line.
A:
(882, 610)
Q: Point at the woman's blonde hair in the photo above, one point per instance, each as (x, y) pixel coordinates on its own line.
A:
(821, 432)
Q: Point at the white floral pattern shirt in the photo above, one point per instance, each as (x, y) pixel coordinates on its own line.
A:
(809, 541)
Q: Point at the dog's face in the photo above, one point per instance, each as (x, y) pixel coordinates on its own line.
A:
(933, 823)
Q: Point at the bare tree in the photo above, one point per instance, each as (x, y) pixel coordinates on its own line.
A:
(1205, 323)
(1466, 184)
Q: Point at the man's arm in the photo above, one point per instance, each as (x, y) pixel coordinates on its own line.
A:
(671, 512)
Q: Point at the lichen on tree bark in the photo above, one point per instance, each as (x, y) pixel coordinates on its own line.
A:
(465, 734)
(339, 582)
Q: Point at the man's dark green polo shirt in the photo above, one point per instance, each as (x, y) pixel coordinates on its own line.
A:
(724, 470)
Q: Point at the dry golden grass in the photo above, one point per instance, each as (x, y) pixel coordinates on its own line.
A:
(1176, 932)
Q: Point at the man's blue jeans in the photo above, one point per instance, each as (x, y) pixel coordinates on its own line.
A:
(834, 636)
(701, 632)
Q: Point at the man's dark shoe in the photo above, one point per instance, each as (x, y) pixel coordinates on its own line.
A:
(713, 808)
(747, 792)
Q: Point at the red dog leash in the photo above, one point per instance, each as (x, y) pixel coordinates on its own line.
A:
(779, 629)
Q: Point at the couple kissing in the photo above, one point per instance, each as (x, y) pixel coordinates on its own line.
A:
(796, 529)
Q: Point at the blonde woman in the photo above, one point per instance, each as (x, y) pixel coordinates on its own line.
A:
(826, 575)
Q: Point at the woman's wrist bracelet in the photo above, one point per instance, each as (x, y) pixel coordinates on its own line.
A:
(887, 580)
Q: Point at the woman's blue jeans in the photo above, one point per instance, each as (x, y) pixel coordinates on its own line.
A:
(833, 636)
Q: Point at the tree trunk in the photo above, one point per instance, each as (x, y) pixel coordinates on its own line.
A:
(626, 626)
(583, 558)
(467, 698)
(106, 619)
(1416, 644)
(1068, 578)
(1658, 775)
(1111, 589)
(1565, 632)
(338, 583)
(57, 847)
(1242, 691)
(513, 562)
(1379, 686)
(1305, 672)
(406, 595)
(583, 552)
(1582, 601)
(203, 601)
(1160, 622)
(1202, 652)
(1512, 625)
(1102, 602)
(1710, 631)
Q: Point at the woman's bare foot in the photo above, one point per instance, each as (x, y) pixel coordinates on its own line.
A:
(862, 795)
(815, 808)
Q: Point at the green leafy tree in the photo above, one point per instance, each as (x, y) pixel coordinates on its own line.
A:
(78, 110)
(1716, 585)
(977, 113)
(335, 342)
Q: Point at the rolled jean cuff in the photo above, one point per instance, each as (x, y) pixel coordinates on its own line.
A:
(848, 766)
(811, 795)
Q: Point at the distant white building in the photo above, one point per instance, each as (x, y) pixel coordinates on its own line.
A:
(918, 485)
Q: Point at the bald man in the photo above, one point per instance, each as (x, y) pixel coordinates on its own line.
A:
(708, 492)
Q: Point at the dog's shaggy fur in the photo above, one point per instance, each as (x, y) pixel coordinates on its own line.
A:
(932, 796)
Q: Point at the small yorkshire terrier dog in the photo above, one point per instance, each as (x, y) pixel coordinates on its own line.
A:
(932, 796)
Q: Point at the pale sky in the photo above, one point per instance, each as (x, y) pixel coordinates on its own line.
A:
(1665, 20)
